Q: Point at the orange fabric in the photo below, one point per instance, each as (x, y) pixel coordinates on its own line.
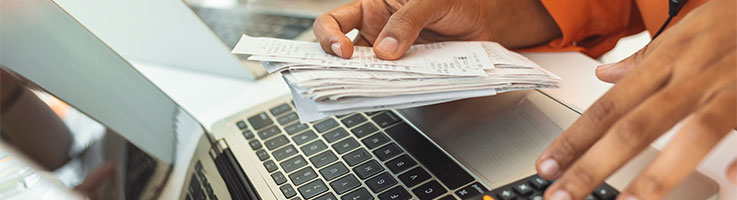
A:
(593, 27)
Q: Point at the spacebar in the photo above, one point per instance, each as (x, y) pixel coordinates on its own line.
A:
(430, 155)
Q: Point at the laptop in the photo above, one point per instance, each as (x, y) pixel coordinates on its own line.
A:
(455, 150)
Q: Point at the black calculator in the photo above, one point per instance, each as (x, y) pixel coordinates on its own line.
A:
(533, 188)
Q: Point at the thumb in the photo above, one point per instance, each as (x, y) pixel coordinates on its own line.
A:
(403, 27)
(611, 73)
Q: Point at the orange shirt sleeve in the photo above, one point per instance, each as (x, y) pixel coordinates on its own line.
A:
(590, 26)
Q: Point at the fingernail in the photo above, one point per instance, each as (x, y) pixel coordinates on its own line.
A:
(549, 168)
(336, 49)
(560, 195)
(388, 44)
(605, 66)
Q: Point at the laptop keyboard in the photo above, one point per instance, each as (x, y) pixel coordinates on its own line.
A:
(361, 156)
(230, 24)
(199, 188)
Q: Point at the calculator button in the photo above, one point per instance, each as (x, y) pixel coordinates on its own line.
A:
(397, 193)
(333, 171)
(259, 121)
(381, 182)
(400, 164)
(414, 177)
(605, 193)
(345, 184)
(523, 189)
(429, 190)
(448, 197)
(506, 194)
(539, 183)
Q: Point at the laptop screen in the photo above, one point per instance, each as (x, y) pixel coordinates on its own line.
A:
(44, 44)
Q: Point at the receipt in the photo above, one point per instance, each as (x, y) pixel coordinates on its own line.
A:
(445, 58)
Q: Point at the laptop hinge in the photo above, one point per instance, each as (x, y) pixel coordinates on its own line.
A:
(239, 186)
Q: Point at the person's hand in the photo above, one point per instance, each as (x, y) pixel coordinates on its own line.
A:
(95, 179)
(391, 26)
(688, 73)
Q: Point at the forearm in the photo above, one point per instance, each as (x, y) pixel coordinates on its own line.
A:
(521, 23)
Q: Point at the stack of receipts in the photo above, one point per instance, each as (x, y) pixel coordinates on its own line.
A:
(323, 85)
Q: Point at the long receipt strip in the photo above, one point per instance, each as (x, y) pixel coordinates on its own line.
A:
(323, 85)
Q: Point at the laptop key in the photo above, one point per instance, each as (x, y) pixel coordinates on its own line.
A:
(335, 135)
(323, 159)
(295, 128)
(356, 157)
(288, 118)
(368, 169)
(262, 155)
(328, 196)
(360, 194)
(386, 119)
(396, 193)
(414, 177)
(345, 145)
(259, 121)
(387, 152)
(375, 140)
(333, 171)
(276, 142)
(293, 164)
(255, 144)
(429, 155)
(364, 130)
(325, 125)
(270, 166)
(268, 132)
(248, 134)
(302, 176)
(372, 113)
(279, 178)
(429, 190)
(381, 182)
(241, 125)
(345, 184)
(353, 120)
(304, 137)
(471, 191)
(313, 148)
(287, 190)
(400, 164)
(312, 189)
(283, 153)
(280, 109)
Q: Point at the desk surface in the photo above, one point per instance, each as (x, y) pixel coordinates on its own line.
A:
(211, 97)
